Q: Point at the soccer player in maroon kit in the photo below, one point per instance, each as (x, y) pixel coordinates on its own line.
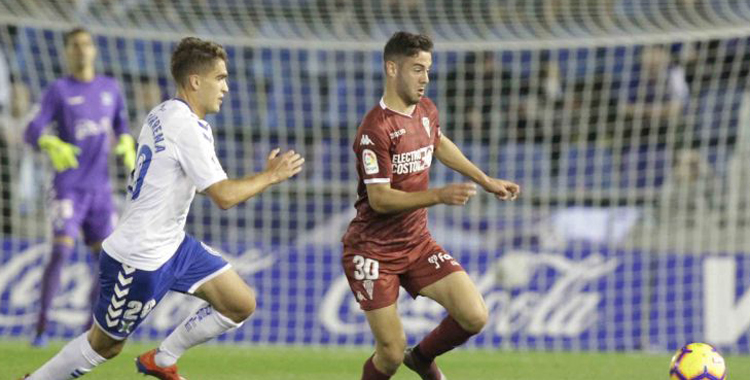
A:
(387, 244)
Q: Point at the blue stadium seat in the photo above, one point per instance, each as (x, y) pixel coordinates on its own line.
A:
(589, 168)
(526, 164)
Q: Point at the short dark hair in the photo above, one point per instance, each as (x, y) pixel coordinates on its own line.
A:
(72, 33)
(405, 44)
(193, 55)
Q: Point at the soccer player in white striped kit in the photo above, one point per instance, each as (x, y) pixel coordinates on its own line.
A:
(149, 252)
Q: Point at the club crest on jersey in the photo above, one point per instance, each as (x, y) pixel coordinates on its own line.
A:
(365, 140)
(426, 125)
(107, 99)
(370, 162)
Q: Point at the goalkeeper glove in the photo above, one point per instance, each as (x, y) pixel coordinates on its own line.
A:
(62, 154)
(126, 149)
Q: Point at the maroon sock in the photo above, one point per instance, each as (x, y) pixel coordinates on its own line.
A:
(369, 372)
(447, 336)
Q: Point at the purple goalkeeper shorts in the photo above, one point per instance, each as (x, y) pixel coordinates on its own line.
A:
(127, 295)
(91, 211)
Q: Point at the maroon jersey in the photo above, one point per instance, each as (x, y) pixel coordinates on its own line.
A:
(394, 148)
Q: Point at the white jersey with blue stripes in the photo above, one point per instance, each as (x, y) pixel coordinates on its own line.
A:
(176, 157)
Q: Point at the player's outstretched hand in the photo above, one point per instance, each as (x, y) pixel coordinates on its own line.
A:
(62, 154)
(284, 166)
(457, 194)
(125, 148)
(503, 190)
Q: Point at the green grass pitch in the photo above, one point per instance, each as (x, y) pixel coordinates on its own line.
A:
(219, 362)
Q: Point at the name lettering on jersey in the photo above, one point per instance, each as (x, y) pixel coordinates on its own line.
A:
(85, 127)
(370, 162)
(397, 134)
(75, 100)
(365, 140)
(426, 125)
(414, 161)
(157, 132)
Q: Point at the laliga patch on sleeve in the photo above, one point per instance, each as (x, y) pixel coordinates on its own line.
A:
(370, 161)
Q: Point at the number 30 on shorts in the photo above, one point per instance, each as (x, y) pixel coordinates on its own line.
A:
(365, 269)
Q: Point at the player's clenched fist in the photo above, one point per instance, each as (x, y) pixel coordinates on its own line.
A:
(503, 190)
(457, 193)
(283, 166)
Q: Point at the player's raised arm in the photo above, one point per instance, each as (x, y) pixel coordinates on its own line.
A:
(452, 157)
(230, 192)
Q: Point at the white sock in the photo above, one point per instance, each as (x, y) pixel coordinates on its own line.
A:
(199, 327)
(76, 359)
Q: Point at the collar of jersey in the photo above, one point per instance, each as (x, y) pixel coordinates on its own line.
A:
(385, 107)
(184, 102)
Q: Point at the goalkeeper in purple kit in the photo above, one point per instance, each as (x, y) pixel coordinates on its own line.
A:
(81, 116)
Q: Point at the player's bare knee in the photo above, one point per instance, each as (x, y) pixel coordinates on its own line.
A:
(108, 349)
(391, 358)
(248, 308)
(103, 344)
(111, 351)
(475, 320)
(392, 353)
(242, 309)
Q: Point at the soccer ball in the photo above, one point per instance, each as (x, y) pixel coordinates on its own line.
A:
(697, 361)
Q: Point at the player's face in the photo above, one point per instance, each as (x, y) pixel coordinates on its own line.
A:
(412, 77)
(80, 51)
(213, 86)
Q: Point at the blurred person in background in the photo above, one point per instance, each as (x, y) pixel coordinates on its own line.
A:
(27, 188)
(656, 98)
(470, 89)
(86, 110)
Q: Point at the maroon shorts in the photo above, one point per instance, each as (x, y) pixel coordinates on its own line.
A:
(375, 280)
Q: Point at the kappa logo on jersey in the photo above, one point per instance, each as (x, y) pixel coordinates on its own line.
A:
(365, 140)
(426, 125)
(414, 161)
(370, 162)
(397, 134)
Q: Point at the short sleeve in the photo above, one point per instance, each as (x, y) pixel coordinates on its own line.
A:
(372, 148)
(196, 154)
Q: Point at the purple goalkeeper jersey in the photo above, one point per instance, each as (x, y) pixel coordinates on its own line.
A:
(85, 114)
